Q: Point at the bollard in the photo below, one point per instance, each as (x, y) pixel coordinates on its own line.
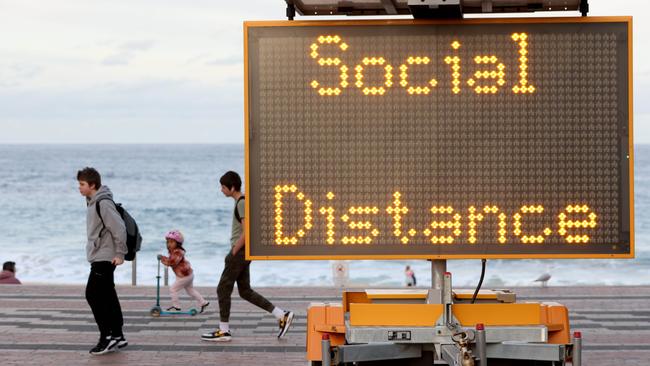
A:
(577, 349)
(481, 344)
(326, 355)
(134, 272)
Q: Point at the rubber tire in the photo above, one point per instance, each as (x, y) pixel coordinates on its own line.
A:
(155, 311)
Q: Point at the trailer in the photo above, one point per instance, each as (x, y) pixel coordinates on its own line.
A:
(439, 138)
(439, 326)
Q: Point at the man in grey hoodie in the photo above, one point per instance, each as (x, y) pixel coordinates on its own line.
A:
(105, 250)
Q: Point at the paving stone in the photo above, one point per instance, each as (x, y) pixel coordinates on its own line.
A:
(615, 322)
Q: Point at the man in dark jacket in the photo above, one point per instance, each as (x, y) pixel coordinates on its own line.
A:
(105, 249)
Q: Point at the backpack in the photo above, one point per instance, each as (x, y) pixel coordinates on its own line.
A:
(133, 237)
(237, 212)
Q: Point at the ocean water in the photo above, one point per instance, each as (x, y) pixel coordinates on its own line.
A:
(42, 221)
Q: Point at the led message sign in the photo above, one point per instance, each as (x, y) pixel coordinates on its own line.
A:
(419, 139)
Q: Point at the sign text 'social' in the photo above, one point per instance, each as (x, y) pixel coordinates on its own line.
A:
(483, 81)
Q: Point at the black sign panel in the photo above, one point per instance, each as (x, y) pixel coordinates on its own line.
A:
(410, 139)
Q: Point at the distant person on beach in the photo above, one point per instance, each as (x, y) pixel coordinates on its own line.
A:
(105, 250)
(237, 269)
(183, 271)
(410, 277)
(8, 274)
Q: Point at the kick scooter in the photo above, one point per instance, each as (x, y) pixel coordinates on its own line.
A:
(157, 311)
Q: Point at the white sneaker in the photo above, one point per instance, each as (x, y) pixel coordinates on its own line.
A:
(104, 346)
(216, 336)
(284, 323)
(121, 342)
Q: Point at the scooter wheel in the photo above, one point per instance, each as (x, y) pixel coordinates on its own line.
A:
(155, 311)
(193, 312)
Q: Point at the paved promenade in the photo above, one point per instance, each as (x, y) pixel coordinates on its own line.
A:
(52, 325)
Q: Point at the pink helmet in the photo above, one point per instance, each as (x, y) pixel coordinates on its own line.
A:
(175, 235)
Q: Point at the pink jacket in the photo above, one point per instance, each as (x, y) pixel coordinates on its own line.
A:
(8, 278)
(177, 261)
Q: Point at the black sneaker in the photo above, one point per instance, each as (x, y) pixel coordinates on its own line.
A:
(121, 342)
(204, 306)
(285, 323)
(105, 345)
(173, 308)
(216, 336)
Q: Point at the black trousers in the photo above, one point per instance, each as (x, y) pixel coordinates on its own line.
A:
(103, 301)
(237, 269)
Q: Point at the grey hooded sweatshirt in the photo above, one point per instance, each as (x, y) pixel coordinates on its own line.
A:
(104, 243)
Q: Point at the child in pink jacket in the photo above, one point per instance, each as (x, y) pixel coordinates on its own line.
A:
(182, 270)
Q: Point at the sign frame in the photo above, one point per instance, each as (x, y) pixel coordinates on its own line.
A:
(247, 25)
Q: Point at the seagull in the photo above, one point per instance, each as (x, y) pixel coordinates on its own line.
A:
(543, 279)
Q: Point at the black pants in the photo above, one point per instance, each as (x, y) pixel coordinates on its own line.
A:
(103, 301)
(237, 269)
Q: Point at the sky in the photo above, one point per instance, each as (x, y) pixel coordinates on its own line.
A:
(164, 71)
